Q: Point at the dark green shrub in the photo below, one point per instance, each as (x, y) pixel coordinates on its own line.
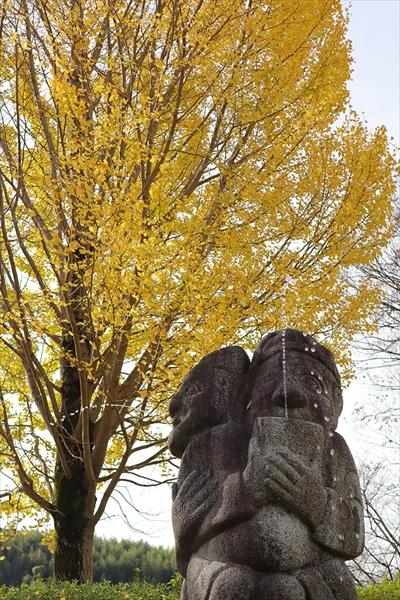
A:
(118, 561)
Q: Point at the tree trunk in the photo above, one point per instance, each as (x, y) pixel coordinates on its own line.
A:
(73, 556)
(75, 498)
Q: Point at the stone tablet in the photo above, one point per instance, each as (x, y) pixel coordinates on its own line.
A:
(267, 505)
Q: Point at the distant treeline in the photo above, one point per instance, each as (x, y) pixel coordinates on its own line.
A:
(26, 559)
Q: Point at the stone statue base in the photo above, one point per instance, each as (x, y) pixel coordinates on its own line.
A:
(221, 581)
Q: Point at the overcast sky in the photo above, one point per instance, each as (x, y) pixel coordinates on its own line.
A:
(374, 31)
(375, 34)
(375, 88)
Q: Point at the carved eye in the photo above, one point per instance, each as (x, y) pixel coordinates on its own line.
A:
(313, 384)
(192, 388)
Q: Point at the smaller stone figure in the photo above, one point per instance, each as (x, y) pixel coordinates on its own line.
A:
(267, 504)
(208, 433)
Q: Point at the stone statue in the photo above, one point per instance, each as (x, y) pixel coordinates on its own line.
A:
(267, 504)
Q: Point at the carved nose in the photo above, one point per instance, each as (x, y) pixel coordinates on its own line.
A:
(174, 405)
(295, 399)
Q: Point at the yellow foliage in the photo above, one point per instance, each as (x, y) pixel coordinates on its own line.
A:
(163, 171)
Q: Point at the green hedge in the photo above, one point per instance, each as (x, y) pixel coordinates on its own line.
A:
(140, 590)
(387, 590)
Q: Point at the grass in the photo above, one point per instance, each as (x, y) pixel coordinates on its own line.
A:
(141, 590)
(138, 590)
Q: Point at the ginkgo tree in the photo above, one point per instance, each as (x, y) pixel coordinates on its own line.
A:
(175, 175)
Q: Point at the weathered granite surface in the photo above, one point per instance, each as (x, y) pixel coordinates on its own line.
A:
(267, 504)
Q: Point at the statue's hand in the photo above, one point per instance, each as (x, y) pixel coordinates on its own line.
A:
(300, 489)
(253, 479)
(194, 497)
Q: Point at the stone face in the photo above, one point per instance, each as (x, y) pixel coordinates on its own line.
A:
(267, 503)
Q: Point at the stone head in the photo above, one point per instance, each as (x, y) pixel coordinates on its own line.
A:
(208, 396)
(311, 384)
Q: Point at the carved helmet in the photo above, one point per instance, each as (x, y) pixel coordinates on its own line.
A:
(297, 341)
(294, 341)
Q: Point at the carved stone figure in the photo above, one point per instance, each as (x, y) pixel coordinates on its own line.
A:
(267, 504)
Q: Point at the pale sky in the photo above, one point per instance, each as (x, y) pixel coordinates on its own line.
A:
(375, 92)
(375, 89)
(374, 30)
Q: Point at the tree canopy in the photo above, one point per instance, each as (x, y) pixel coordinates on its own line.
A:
(174, 176)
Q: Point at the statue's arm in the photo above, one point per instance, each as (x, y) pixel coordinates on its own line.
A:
(342, 526)
(203, 507)
(235, 503)
(192, 501)
(232, 503)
